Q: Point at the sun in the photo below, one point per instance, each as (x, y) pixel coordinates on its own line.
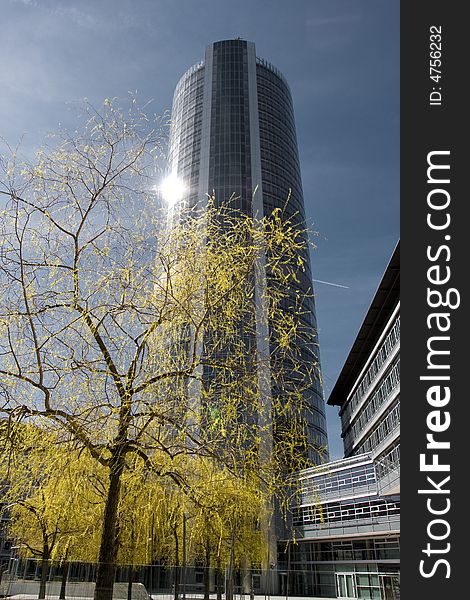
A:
(172, 189)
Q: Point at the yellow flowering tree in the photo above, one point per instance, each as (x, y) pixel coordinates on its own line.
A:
(143, 333)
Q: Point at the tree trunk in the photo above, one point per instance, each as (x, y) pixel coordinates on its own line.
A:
(229, 585)
(207, 572)
(131, 566)
(184, 556)
(151, 562)
(63, 581)
(106, 571)
(131, 581)
(176, 571)
(218, 579)
(44, 573)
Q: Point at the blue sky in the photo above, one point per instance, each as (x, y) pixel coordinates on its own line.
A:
(341, 58)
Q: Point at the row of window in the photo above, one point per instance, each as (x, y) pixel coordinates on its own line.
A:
(275, 107)
(277, 154)
(186, 125)
(364, 549)
(187, 86)
(191, 120)
(278, 127)
(231, 159)
(233, 88)
(270, 67)
(317, 419)
(280, 116)
(346, 510)
(389, 384)
(287, 172)
(276, 135)
(183, 83)
(339, 482)
(384, 428)
(388, 462)
(277, 122)
(187, 117)
(187, 138)
(383, 353)
(190, 97)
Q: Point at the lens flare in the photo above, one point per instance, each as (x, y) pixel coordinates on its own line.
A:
(172, 189)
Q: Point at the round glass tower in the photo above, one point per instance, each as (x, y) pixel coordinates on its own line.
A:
(233, 136)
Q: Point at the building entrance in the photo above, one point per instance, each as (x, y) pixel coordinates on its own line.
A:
(375, 586)
(345, 585)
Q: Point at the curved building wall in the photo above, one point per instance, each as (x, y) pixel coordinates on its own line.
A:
(281, 181)
(233, 135)
(186, 128)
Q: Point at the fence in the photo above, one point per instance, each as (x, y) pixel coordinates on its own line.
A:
(21, 580)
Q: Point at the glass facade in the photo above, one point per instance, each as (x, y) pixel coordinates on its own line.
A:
(370, 417)
(389, 345)
(389, 460)
(346, 533)
(233, 136)
(373, 549)
(345, 568)
(186, 127)
(347, 510)
(230, 156)
(346, 515)
(343, 498)
(388, 385)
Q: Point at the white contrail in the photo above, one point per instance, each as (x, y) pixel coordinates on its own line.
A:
(346, 287)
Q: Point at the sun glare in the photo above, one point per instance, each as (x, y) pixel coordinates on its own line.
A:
(172, 189)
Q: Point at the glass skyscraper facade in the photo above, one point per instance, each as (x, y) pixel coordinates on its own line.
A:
(233, 136)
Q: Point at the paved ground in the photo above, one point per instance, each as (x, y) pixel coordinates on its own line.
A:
(170, 597)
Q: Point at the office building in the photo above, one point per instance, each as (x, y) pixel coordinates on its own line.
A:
(367, 391)
(233, 136)
(346, 517)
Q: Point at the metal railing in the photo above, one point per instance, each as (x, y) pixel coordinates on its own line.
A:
(22, 580)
